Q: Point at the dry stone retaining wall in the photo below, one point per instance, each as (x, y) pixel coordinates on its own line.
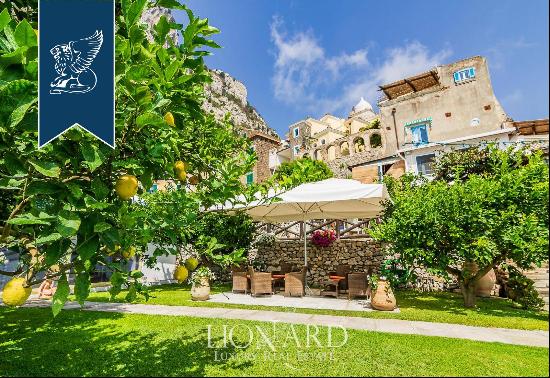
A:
(362, 255)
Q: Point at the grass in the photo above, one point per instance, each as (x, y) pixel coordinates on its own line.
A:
(429, 307)
(84, 343)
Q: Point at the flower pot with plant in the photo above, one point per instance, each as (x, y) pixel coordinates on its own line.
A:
(383, 298)
(200, 283)
(323, 238)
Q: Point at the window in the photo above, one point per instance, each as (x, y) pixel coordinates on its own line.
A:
(296, 132)
(323, 141)
(375, 140)
(465, 74)
(296, 150)
(154, 188)
(419, 134)
(424, 164)
(249, 178)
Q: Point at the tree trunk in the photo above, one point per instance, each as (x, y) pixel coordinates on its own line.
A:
(469, 293)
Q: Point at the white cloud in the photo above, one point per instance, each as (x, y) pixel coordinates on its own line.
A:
(307, 78)
(501, 51)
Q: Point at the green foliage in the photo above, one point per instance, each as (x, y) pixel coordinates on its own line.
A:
(291, 174)
(235, 231)
(66, 191)
(209, 248)
(484, 218)
(397, 274)
(21, 9)
(522, 290)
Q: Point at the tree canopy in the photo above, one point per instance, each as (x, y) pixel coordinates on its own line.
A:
(483, 214)
(66, 214)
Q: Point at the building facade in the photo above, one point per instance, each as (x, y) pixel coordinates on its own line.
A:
(449, 107)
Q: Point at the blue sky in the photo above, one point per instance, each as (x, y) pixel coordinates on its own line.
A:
(303, 58)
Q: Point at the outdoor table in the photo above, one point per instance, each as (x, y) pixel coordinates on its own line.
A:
(331, 287)
(277, 278)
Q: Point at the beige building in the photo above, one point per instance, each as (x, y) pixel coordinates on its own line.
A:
(337, 141)
(449, 107)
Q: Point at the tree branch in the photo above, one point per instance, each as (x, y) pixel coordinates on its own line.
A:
(11, 274)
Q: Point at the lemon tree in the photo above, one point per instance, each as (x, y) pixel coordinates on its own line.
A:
(69, 202)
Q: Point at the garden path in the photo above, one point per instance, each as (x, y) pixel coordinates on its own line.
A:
(501, 335)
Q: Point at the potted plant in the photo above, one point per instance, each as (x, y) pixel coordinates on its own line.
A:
(383, 298)
(200, 283)
(323, 238)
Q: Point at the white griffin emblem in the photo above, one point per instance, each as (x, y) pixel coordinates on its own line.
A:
(72, 64)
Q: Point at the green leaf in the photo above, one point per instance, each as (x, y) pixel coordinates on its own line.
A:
(25, 35)
(132, 293)
(162, 28)
(43, 187)
(92, 156)
(101, 227)
(99, 188)
(28, 219)
(4, 18)
(171, 4)
(51, 237)
(56, 250)
(61, 295)
(134, 12)
(87, 248)
(117, 280)
(49, 169)
(82, 287)
(68, 223)
(150, 118)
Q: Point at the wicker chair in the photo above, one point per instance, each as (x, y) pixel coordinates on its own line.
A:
(260, 282)
(358, 285)
(240, 280)
(295, 283)
(342, 271)
(285, 268)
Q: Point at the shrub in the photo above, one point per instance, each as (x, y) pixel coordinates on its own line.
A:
(522, 290)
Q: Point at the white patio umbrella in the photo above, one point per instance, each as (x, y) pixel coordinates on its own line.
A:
(327, 199)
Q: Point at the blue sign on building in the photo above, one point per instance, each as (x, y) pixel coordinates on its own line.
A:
(76, 68)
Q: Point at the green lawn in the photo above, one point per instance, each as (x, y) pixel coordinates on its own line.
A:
(83, 343)
(430, 307)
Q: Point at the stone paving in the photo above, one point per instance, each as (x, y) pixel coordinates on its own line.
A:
(501, 335)
(278, 300)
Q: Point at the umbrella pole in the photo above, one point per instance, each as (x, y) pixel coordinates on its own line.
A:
(307, 289)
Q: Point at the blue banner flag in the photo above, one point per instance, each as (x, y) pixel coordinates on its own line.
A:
(76, 68)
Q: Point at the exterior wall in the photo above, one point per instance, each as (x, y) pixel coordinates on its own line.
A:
(362, 255)
(263, 146)
(451, 106)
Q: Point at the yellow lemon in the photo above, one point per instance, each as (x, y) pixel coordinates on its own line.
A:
(129, 253)
(191, 263)
(15, 294)
(169, 118)
(181, 273)
(126, 186)
(179, 170)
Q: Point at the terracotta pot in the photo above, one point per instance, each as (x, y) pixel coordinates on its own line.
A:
(201, 292)
(486, 283)
(383, 299)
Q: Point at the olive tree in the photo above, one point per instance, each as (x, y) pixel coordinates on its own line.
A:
(489, 216)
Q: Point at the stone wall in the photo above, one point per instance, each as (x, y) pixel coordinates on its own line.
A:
(362, 255)
(262, 145)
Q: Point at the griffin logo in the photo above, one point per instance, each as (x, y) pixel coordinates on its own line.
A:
(72, 64)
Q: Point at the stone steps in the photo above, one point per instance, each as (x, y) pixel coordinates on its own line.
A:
(542, 282)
